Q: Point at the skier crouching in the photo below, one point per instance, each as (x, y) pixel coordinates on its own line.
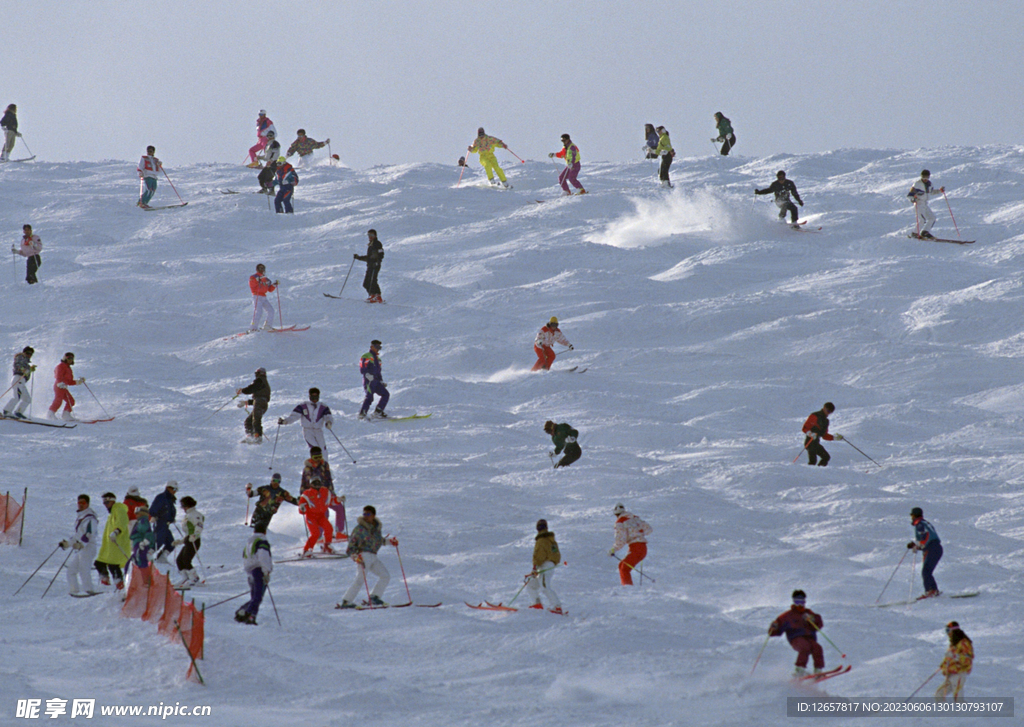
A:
(800, 625)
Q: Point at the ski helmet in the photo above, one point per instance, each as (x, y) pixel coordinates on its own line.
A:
(553, 322)
(619, 509)
(281, 160)
(917, 512)
(376, 343)
(261, 371)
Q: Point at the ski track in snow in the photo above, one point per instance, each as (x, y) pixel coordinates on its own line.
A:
(709, 332)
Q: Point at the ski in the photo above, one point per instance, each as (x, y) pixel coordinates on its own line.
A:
(336, 297)
(26, 159)
(968, 594)
(165, 207)
(314, 557)
(288, 328)
(39, 422)
(572, 370)
(488, 606)
(94, 421)
(915, 236)
(825, 674)
(372, 418)
(90, 594)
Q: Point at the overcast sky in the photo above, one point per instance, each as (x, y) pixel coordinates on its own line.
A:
(395, 82)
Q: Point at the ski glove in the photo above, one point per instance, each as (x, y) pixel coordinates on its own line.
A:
(63, 544)
(612, 552)
(812, 435)
(266, 578)
(911, 545)
(176, 543)
(113, 536)
(76, 545)
(551, 155)
(369, 378)
(61, 385)
(839, 437)
(358, 558)
(280, 420)
(570, 347)
(81, 380)
(393, 541)
(328, 425)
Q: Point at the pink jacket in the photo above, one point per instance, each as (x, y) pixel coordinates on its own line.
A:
(30, 246)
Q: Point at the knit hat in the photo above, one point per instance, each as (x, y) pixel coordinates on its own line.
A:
(619, 509)
(173, 485)
(263, 112)
(542, 525)
(799, 598)
(370, 509)
(376, 343)
(276, 477)
(28, 350)
(480, 131)
(261, 371)
(917, 512)
(315, 450)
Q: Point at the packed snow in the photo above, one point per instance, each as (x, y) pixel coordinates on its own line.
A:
(708, 331)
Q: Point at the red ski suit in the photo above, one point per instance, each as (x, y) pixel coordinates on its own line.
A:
(62, 375)
(313, 504)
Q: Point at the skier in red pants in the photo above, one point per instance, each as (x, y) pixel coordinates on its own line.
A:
(547, 335)
(313, 504)
(63, 378)
(632, 531)
(801, 625)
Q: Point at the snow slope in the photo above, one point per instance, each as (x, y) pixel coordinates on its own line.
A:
(709, 332)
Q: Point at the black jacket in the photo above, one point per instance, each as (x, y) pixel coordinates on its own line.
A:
(782, 190)
(9, 121)
(374, 254)
(258, 389)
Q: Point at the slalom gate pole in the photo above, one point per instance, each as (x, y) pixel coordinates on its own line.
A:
(189, 652)
(759, 653)
(71, 550)
(26, 145)
(825, 636)
(346, 277)
(636, 570)
(280, 313)
(404, 579)
(105, 412)
(858, 449)
(171, 183)
(515, 155)
(21, 531)
(273, 604)
(913, 567)
(215, 410)
(36, 571)
(272, 455)
(243, 593)
(925, 682)
(893, 575)
(917, 218)
(342, 445)
(951, 214)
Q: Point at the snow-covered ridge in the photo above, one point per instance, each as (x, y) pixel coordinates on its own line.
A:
(709, 332)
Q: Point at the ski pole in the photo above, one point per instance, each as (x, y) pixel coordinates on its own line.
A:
(760, 652)
(858, 449)
(515, 155)
(105, 412)
(246, 521)
(404, 579)
(35, 571)
(183, 538)
(58, 572)
(26, 146)
(243, 593)
(893, 575)
(925, 682)
(280, 313)
(14, 269)
(273, 604)
(346, 277)
(272, 455)
(31, 396)
(270, 207)
(825, 636)
(462, 170)
(362, 569)
(16, 382)
(951, 213)
(526, 580)
(329, 429)
(913, 567)
(634, 568)
(171, 183)
(917, 218)
(806, 445)
(217, 409)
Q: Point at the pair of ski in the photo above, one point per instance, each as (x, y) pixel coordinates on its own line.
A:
(799, 227)
(969, 594)
(62, 424)
(573, 369)
(164, 207)
(338, 297)
(395, 419)
(488, 606)
(286, 329)
(915, 236)
(366, 606)
(824, 675)
(14, 161)
(312, 557)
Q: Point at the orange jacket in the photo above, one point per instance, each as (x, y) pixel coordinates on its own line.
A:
(260, 284)
(313, 502)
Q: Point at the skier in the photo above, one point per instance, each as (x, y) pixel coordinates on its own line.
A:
(370, 367)
(547, 335)
(485, 146)
(270, 498)
(258, 566)
(956, 665)
(725, 134)
(115, 544)
(363, 543)
(304, 147)
(143, 543)
(314, 416)
(632, 531)
(919, 195)
(667, 154)
(266, 175)
(801, 624)
(313, 506)
(651, 139)
(191, 540)
(259, 390)
(149, 165)
(163, 513)
(84, 544)
(134, 501)
(260, 285)
(316, 467)
(287, 178)
(546, 558)
(263, 126)
(373, 258)
(9, 124)
(22, 371)
(30, 248)
(815, 429)
(571, 153)
(782, 188)
(63, 378)
(564, 437)
(926, 539)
